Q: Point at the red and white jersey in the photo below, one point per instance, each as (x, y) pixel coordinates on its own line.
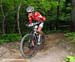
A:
(37, 17)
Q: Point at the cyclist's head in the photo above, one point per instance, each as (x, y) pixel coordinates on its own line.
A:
(29, 9)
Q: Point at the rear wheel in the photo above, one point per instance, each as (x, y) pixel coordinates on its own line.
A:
(42, 41)
(26, 48)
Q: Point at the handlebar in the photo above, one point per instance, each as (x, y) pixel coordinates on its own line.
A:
(32, 24)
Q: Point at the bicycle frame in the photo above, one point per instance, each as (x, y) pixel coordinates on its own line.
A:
(26, 45)
(35, 34)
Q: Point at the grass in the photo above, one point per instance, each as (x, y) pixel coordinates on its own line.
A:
(70, 36)
(6, 38)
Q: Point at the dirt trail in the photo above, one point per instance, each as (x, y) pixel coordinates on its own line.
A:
(54, 51)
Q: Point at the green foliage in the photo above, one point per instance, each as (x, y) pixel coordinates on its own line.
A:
(70, 36)
(9, 38)
(54, 4)
(70, 59)
(45, 4)
(62, 3)
(47, 8)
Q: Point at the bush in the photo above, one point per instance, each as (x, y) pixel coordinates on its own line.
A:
(71, 36)
(70, 59)
(9, 38)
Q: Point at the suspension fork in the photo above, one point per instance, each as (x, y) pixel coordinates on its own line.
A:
(39, 37)
(35, 38)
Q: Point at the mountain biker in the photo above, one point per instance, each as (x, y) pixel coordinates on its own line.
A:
(35, 15)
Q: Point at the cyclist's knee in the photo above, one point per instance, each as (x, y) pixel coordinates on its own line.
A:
(39, 31)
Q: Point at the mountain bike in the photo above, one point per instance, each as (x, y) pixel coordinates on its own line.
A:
(29, 42)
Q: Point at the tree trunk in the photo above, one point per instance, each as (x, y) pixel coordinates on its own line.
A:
(3, 23)
(58, 14)
(73, 15)
(58, 10)
(18, 24)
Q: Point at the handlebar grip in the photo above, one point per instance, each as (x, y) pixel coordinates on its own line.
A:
(26, 24)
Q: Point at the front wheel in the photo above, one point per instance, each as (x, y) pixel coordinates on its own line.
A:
(26, 48)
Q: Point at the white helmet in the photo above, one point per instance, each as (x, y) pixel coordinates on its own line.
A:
(29, 9)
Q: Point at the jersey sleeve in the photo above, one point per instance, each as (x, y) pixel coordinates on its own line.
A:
(37, 14)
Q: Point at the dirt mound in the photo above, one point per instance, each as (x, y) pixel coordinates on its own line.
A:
(51, 53)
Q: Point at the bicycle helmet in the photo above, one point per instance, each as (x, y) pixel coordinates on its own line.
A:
(30, 9)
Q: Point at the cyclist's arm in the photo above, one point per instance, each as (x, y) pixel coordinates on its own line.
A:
(42, 18)
(30, 19)
(37, 14)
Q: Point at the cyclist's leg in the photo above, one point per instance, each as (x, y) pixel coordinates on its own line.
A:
(40, 31)
(40, 28)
